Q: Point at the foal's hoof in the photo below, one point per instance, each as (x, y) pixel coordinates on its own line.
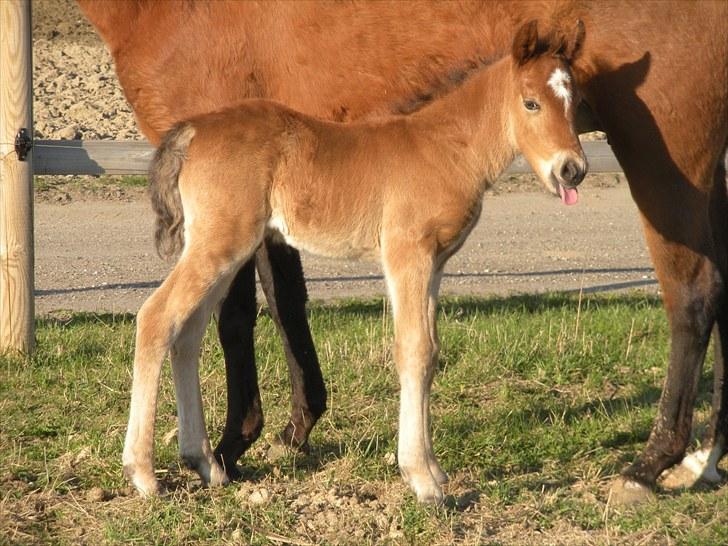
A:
(145, 484)
(430, 495)
(209, 471)
(426, 489)
(626, 492)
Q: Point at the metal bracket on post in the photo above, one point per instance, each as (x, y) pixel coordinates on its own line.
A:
(23, 144)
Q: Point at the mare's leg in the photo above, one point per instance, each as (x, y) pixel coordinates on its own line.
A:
(194, 444)
(437, 472)
(670, 164)
(678, 231)
(160, 320)
(281, 276)
(702, 464)
(409, 277)
(236, 322)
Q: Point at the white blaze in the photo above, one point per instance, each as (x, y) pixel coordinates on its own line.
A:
(559, 83)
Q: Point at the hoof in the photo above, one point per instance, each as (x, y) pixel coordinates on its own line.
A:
(425, 488)
(145, 484)
(209, 471)
(279, 449)
(217, 477)
(626, 492)
(430, 495)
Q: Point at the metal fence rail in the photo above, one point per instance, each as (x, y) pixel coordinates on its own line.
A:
(93, 157)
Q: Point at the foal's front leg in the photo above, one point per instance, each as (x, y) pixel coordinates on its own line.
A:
(437, 472)
(409, 279)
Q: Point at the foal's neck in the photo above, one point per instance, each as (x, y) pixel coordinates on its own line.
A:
(472, 121)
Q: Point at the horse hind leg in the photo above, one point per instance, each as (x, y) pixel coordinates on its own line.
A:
(281, 276)
(194, 444)
(236, 323)
(161, 318)
(195, 279)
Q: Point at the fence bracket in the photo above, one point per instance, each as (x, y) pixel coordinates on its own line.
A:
(23, 144)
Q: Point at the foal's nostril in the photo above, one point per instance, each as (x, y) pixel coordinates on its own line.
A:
(571, 174)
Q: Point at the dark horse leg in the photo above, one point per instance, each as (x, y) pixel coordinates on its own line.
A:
(702, 464)
(671, 172)
(281, 275)
(693, 291)
(244, 412)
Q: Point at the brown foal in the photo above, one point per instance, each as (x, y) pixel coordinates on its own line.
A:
(405, 192)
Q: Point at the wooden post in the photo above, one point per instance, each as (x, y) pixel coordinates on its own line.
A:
(16, 180)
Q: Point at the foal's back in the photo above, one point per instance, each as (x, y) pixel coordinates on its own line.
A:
(328, 188)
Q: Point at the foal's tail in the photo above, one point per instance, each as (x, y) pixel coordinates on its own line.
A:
(163, 185)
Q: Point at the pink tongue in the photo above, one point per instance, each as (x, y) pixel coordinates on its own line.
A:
(569, 196)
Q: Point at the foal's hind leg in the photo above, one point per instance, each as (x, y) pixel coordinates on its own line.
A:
(160, 320)
(281, 276)
(194, 444)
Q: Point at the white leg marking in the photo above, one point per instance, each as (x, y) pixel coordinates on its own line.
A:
(703, 464)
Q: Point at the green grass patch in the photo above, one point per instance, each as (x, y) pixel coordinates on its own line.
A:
(538, 403)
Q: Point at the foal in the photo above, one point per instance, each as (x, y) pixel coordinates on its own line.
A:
(406, 192)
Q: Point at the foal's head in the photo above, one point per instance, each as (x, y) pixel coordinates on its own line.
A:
(543, 105)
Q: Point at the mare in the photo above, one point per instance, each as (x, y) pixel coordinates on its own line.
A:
(656, 80)
(405, 192)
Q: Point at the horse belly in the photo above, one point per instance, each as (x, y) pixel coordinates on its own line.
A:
(354, 242)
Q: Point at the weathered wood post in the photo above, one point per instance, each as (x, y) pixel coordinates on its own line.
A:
(16, 179)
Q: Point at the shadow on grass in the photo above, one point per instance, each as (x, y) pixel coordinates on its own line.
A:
(525, 303)
(454, 306)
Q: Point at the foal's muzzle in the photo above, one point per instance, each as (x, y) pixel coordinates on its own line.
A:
(571, 173)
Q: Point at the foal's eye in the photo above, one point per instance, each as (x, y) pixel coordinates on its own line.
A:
(531, 105)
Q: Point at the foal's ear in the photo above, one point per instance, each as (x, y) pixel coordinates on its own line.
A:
(574, 41)
(525, 44)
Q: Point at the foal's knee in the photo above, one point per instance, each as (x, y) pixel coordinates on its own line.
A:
(415, 350)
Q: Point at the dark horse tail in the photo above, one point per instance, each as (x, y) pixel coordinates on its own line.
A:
(163, 185)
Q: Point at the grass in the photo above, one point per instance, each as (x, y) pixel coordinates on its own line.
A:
(66, 188)
(538, 403)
